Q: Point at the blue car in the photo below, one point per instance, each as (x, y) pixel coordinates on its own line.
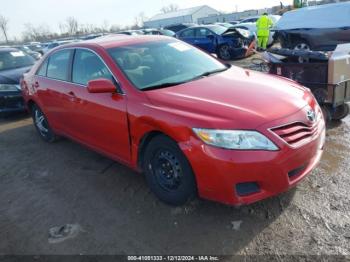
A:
(13, 64)
(227, 43)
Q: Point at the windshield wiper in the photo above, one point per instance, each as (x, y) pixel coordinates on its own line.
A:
(169, 84)
(208, 73)
(163, 85)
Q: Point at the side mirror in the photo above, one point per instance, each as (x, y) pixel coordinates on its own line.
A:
(101, 86)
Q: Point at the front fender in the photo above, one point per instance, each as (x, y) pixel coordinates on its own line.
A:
(140, 127)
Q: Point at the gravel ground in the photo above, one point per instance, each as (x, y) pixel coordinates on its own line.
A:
(108, 209)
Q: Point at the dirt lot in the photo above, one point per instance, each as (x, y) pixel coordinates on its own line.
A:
(112, 211)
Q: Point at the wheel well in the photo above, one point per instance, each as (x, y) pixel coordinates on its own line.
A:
(146, 139)
(30, 104)
(219, 46)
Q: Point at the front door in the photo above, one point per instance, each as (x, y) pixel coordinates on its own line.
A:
(188, 36)
(99, 120)
(205, 40)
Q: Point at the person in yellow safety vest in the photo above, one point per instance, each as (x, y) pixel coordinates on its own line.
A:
(263, 26)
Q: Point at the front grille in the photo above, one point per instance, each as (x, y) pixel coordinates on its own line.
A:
(296, 133)
(11, 101)
(246, 189)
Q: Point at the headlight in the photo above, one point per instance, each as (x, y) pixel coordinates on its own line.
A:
(9, 88)
(243, 32)
(235, 139)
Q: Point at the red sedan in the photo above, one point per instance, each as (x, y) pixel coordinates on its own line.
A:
(192, 124)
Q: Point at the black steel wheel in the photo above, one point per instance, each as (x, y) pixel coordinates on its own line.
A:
(224, 52)
(168, 172)
(42, 125)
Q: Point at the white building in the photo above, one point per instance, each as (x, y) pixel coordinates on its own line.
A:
(189, 15)
(233, 16)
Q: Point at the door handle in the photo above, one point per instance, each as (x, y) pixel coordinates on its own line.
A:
(72, 96)
(36, 84)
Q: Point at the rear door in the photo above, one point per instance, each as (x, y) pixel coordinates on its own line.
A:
(99, 120)
(51, 82)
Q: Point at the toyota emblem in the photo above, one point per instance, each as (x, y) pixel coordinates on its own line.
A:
(310, 114)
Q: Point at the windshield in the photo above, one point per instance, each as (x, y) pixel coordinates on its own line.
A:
(14, 59)
(52, 45)
(23, 48)
(218, 29)
(166, 63)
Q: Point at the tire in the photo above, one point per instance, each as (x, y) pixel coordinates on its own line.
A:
(42, 126)
(168, 172)
(327, 116)
(224, 52)
(340, 112)
(320, 95)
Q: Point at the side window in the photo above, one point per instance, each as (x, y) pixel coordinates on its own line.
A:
(188, 33)
(59, 63)
(203, 32)
(88, 66)
(43, 68)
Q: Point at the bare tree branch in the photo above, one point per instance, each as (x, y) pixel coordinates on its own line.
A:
(72, 25)
(4, 27)
(39, 33)
(169, 8)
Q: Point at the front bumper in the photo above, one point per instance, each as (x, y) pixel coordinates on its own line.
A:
(246, 50)
(11, 102)
(219, 172)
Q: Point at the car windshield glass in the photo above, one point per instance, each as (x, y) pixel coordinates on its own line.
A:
(164, 63)
(15, 59)
(218, 29)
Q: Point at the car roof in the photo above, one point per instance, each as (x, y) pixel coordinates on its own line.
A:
(115, 40)
(8, 49)
(203, 26)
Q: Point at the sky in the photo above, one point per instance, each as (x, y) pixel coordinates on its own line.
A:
(120, 12)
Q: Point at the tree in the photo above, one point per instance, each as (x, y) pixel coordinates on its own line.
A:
(63, 28)
(72, 26)
(4, 27)
(139, 21)
(36, 33)
(105, 27)
(169, 8)
(115, 28)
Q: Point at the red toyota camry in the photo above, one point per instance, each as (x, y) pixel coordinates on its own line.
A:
(192, 124)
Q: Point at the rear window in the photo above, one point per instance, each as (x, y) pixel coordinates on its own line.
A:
(15, 59)
(59, 63)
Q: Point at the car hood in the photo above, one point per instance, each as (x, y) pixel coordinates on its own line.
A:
(13, 76)
(236, 98)
(233, 31)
